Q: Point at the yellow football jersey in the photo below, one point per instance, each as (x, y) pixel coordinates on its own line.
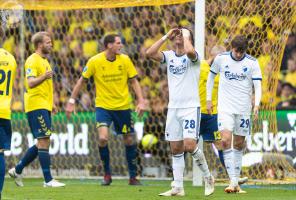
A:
(41, 96)
(111, 80)
(7, 76)
(204, 71)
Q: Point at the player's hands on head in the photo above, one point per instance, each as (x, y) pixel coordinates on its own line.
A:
(209, 107)
(70, 108)
(256, 112)
(173, 33)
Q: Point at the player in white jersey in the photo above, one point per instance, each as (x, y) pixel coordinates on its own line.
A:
(183, 118)
(238, 73)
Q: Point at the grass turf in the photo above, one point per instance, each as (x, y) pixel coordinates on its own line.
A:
(120, 190)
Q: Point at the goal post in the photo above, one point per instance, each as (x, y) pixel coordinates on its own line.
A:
(199, 30)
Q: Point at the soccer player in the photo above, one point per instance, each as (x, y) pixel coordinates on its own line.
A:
(183, 117)
(112, 71)
(208, 123)
(7, 76)
(38, 107)
(238, 73)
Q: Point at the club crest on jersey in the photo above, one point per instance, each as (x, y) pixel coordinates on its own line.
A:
(29, 70)
(235, 76)
(245, 69)
(177, 70)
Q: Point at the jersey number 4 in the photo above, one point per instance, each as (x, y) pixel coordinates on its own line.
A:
(5, 76)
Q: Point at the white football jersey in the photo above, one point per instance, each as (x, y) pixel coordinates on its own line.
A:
(236, 82)
(183, 79)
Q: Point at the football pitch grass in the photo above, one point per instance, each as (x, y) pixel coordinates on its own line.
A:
(87, 189)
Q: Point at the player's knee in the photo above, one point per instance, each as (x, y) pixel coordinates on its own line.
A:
(189, 145)
(128, 140)
(239, 145)
(225, 143)
(189, 148)
(103, 141)
(177, 150)
(43, 143)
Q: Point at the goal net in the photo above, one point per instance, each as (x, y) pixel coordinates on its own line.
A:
(77, 29)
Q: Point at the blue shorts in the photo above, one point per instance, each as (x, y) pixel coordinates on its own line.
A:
(40, 123)
(5, 134)
(121, 120)
(209, 128)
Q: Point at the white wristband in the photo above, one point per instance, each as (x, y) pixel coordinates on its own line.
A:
(164, 37)
(72, 101)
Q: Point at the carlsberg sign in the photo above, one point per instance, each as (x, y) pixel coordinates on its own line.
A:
(284, 141)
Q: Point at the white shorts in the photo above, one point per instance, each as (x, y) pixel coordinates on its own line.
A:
(237, 124)
(182, 123)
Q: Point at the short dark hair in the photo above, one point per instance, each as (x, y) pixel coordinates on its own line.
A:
(240, 43)
(109, 39)
(38, 37)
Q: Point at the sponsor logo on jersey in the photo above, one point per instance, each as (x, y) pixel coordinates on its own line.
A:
(235, 76)
(177, 70)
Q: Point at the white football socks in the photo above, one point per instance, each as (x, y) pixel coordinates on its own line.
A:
(229, 164)
(178, 169)
(201, 161)
(238, 155)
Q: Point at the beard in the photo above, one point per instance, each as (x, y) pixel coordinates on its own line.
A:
(45, 50)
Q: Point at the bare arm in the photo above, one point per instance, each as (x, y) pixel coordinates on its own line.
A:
(35, 81)
(70, 107)
(188, 47)
(140, 99)
(153, 51)
(77, 87)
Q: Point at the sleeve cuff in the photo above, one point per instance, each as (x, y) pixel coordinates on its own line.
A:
(133, 77)
(163, 60)
(213, 72)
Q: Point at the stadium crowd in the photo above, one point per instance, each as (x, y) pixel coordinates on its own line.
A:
(77, 35)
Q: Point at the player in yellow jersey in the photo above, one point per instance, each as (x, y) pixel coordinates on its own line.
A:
(7, 76)
(38, 107)
(209, 124)
(112, 71)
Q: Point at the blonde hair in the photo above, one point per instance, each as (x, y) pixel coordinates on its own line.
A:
(38, 37)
